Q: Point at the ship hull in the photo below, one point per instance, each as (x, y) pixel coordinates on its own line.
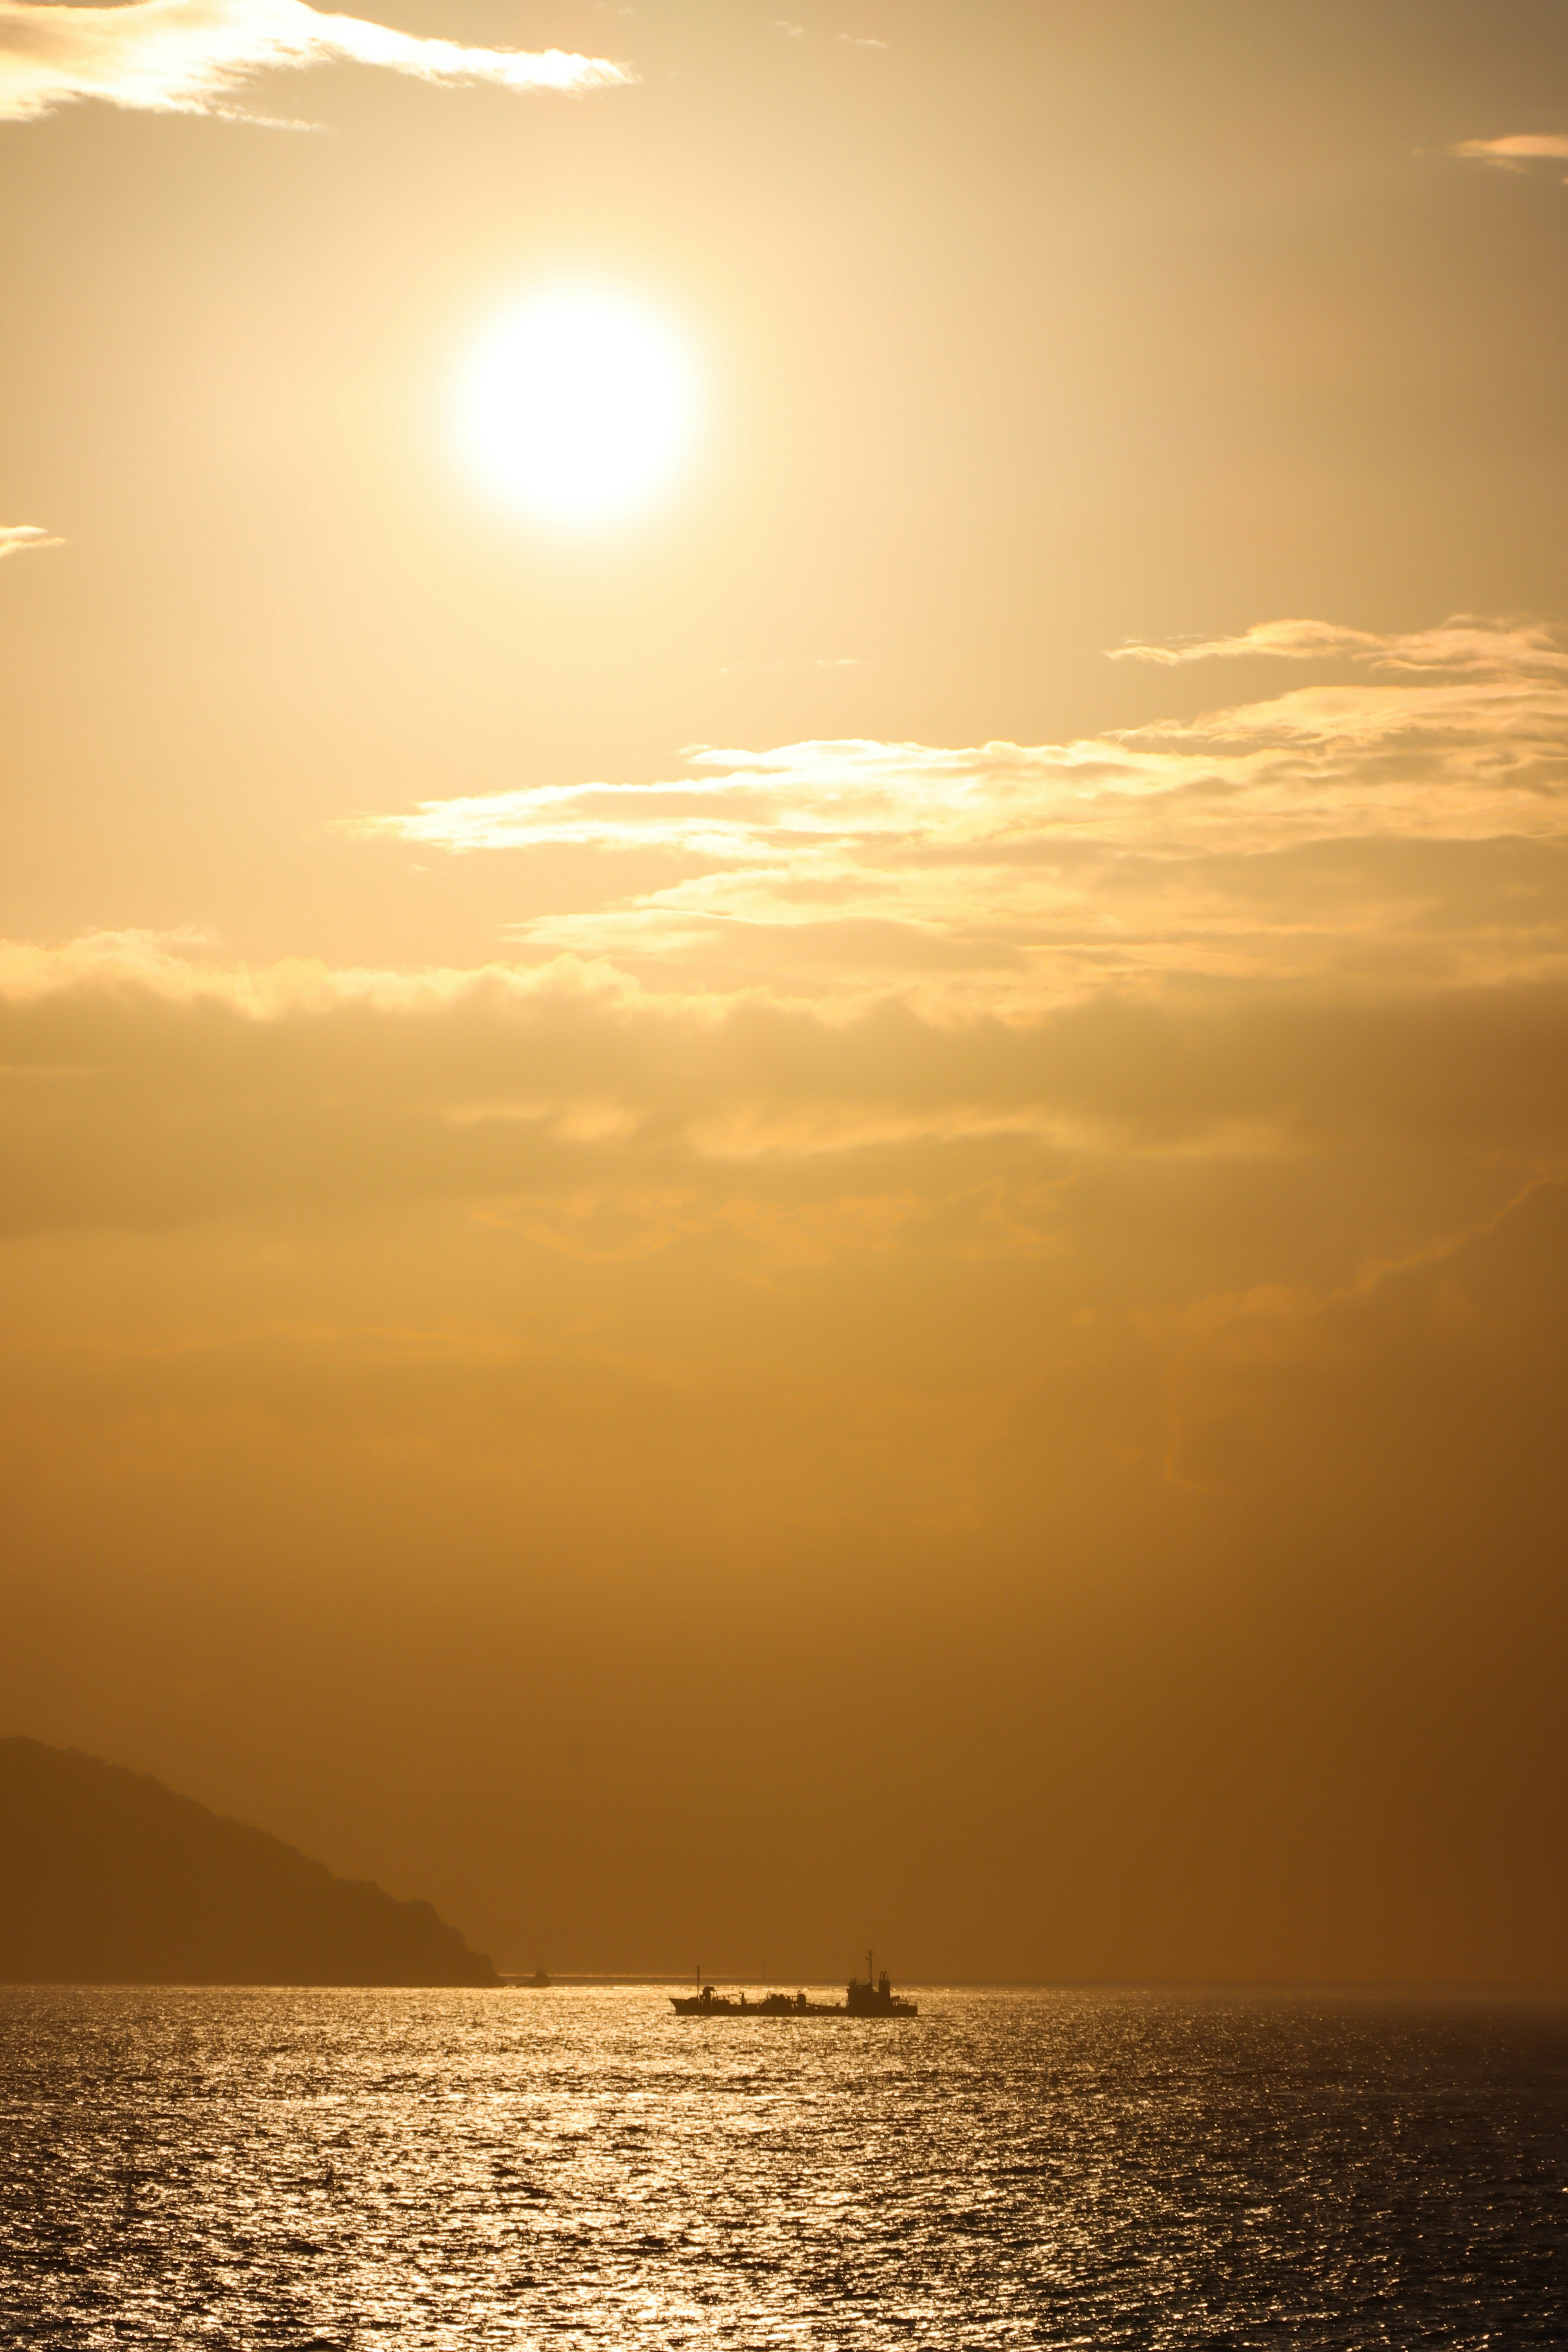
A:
(693, 2005)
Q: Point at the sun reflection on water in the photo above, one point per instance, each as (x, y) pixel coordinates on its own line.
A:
(423, 2170)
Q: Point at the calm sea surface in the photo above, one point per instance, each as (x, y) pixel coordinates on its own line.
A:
(583, 2167)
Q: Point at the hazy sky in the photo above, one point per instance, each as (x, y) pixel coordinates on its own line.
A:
(784, 1150)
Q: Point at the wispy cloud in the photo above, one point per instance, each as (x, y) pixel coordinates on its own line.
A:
(1464, 643)
(779, 668)
(188, 56)
(1515, 152)
(16, 537)
(1414, 825)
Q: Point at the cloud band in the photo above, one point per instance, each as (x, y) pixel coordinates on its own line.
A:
(187, 57)
(1414, 822)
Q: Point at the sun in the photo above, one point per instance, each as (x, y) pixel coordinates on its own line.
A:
(578, 407)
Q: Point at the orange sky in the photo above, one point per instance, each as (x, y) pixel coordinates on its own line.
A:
(837, 1208)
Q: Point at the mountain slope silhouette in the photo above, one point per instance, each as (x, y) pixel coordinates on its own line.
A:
(108, 1877)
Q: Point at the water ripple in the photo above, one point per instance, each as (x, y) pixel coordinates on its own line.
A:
(375, 2169)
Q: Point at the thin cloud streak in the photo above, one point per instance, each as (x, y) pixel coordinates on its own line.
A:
(19, 538)
(187, 57)
(1515, 151)
(1464, 643)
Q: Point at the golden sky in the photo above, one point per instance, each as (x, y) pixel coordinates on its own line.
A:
(784, 965)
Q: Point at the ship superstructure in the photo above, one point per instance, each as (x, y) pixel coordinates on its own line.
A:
(875, 1999)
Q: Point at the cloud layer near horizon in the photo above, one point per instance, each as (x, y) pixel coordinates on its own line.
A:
(188, 56)
(1163, 1379)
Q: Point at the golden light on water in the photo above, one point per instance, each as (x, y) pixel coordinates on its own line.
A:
(578, 406)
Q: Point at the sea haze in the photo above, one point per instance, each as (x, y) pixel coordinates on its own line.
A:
(581, 2167)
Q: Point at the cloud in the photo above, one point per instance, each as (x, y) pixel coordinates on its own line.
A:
(1515, 152)
(859, 41)
(1263, 1146)
(187, 57)
(1411, 829)
(16, 537)
(146, 1088)
(1464, 643)
(778, 668)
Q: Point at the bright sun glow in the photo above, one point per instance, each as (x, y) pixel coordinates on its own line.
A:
(578, 407)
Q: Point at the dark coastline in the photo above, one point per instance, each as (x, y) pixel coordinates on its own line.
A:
(108, 1877)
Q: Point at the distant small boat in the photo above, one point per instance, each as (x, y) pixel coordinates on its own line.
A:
(874, 1998)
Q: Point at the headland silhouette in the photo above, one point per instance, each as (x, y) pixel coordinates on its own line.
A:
(108, 1877)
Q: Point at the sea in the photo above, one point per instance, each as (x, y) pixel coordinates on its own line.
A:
(580, 2167)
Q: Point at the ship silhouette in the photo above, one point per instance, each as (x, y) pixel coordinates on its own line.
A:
(873, 1998)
